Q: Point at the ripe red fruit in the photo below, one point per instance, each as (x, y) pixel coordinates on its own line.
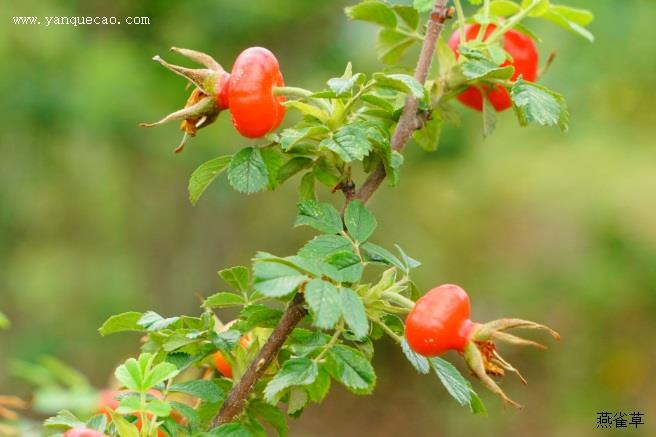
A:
(83, 432)
(255, 109)
(524, 55)
(221, 364)
(440, 322)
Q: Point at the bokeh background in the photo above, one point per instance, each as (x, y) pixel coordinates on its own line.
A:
(94, 217)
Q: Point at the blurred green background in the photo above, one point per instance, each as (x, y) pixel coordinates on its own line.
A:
(560, 228)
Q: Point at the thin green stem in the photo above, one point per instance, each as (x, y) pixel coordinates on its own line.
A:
(461, 20)
(387, 330)
(333, 340)
(300, 93)
(486, 15)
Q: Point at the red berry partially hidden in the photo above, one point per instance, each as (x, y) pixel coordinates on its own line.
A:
(524, 55)
(440, 322)
(255, 109)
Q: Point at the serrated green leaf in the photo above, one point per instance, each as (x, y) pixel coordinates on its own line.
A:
(270, 414)
(408, 15)
(321, 216)
(151, 321)
(273, 160)
(535, 103)
(482, 69)
(354, 313)
(420, 363)
(306, 190)
(237, 277)
(124, 428)
(379, 254)
(204, 175)
(202, 389)
(257, 315)
(97, 422)
(477, 406)
(232, 430)
(248, 172)
(540, 9)
(276, 280)
(298, 399)
(292, 167)
(401, 82)
(351, 142)
(63, 419)
(322, 246)
(223, 300)
(373, 11)
(294, 372)
(391, 45)
(452, 380)
(359, 220)
(323, 299)
(571, 19)
(348, 266)
(158, 408)
(129, 375)
(160, 373)
(489, 118)
(351, 368)
(121, 323)
(318, 390)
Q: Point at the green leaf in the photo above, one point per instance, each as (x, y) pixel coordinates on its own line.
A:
(420, 363)
(306, 190)
(204, 175)
(408, 14)
(291, 137)
(151, 321)
(294, 372)
(379, 254)
(343, 86)
(121, 323)
(408, 262)
(321, 216)
(354, 313)
(572, 19)
(348, 265)
(391, 45)
(360, 222)
(423, 5)
(160, 373)
(537, 104)
(272, 415)
(248, 172)
(489, 118)
(187, 412)
(452, 380)
(97, 422)
(273, 160)
(351, 368)
(298, 399)
(292, 167)
(504, 8)
(351, 142)
(158, 407)
(4, 321)
(320, 388)
(202, 389)
(428, 137)
(482, 69)
(401, 82)
(477, 406)
(257, 315)
(124, 428)
(64, 419)
(231, 430)
(324, 302)
(226, 340)
(324, 245)
(237, 277)
(130, 375)
(373, 11)
(224, 300)
(541, 8)
(273, 279)
(326, 172)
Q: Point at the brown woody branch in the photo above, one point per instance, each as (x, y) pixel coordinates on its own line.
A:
(410, 120)
(296, 310)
